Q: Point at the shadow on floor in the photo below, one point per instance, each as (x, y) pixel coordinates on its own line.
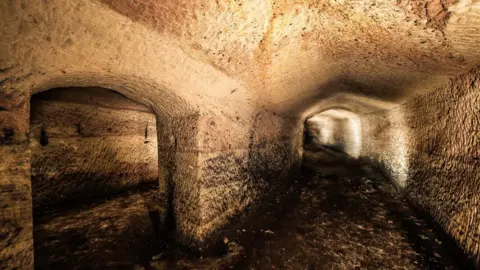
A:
(341, 214)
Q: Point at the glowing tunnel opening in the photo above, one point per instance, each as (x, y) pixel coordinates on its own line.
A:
(338, 129)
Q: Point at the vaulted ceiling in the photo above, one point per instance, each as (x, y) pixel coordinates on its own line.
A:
(291, 50)
(283, 54)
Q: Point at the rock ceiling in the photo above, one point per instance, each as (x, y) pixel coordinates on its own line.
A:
(286, 54)
(296, 48)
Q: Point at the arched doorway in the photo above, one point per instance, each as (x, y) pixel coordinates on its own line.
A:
(331, 138)
(94, 179)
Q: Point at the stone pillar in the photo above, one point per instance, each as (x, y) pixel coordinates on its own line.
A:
(177, 157)
(223, 167)
(16, 230)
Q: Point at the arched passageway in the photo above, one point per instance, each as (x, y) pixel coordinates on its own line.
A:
(352, 210)
(95, 184)
(330, 135)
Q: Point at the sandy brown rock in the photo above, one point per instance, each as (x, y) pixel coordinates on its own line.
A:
(88, 143)
(16, 228)
(429, 146)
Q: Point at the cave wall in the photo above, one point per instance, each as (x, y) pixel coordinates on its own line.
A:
(89, 142)
(16, 224)
(430, 147)
(223, 168)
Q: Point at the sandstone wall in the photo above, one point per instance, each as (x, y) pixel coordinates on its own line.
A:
(430, 146)
(16, 231)
(223, 168)
(89, 142)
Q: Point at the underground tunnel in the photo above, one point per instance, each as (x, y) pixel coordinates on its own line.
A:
(94, 173)
(247, 134)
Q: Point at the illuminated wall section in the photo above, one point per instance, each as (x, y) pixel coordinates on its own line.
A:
(385, 140)
(338, 128)
(430, 147)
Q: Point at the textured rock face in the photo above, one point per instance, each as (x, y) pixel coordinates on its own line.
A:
(267, 51)
(430, 147)
(278, 46)
(16, 231)
(89, 142)
(434, 11)
(217, 180)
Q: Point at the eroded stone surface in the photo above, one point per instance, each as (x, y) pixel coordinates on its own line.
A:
(16, 235)
(430, 147)
(217, 180)
(89, 142)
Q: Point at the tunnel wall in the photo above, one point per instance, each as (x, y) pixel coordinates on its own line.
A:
(241, 177)
(16, 226)
(351, 136)
(224, 168)
(88, 142)
(430, 147)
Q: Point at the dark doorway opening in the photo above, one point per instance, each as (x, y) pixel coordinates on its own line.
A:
(94, 180)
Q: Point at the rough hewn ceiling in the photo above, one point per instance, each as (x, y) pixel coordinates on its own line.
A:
(287, 54)
(291, 49)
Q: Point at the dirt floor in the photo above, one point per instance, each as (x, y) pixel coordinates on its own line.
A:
(340, 217)
(116, 233)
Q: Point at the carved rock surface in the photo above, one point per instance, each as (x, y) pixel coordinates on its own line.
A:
(89, 142)
(430, 146)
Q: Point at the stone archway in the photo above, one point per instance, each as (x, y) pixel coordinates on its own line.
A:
(95, 184)
(17, 246)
